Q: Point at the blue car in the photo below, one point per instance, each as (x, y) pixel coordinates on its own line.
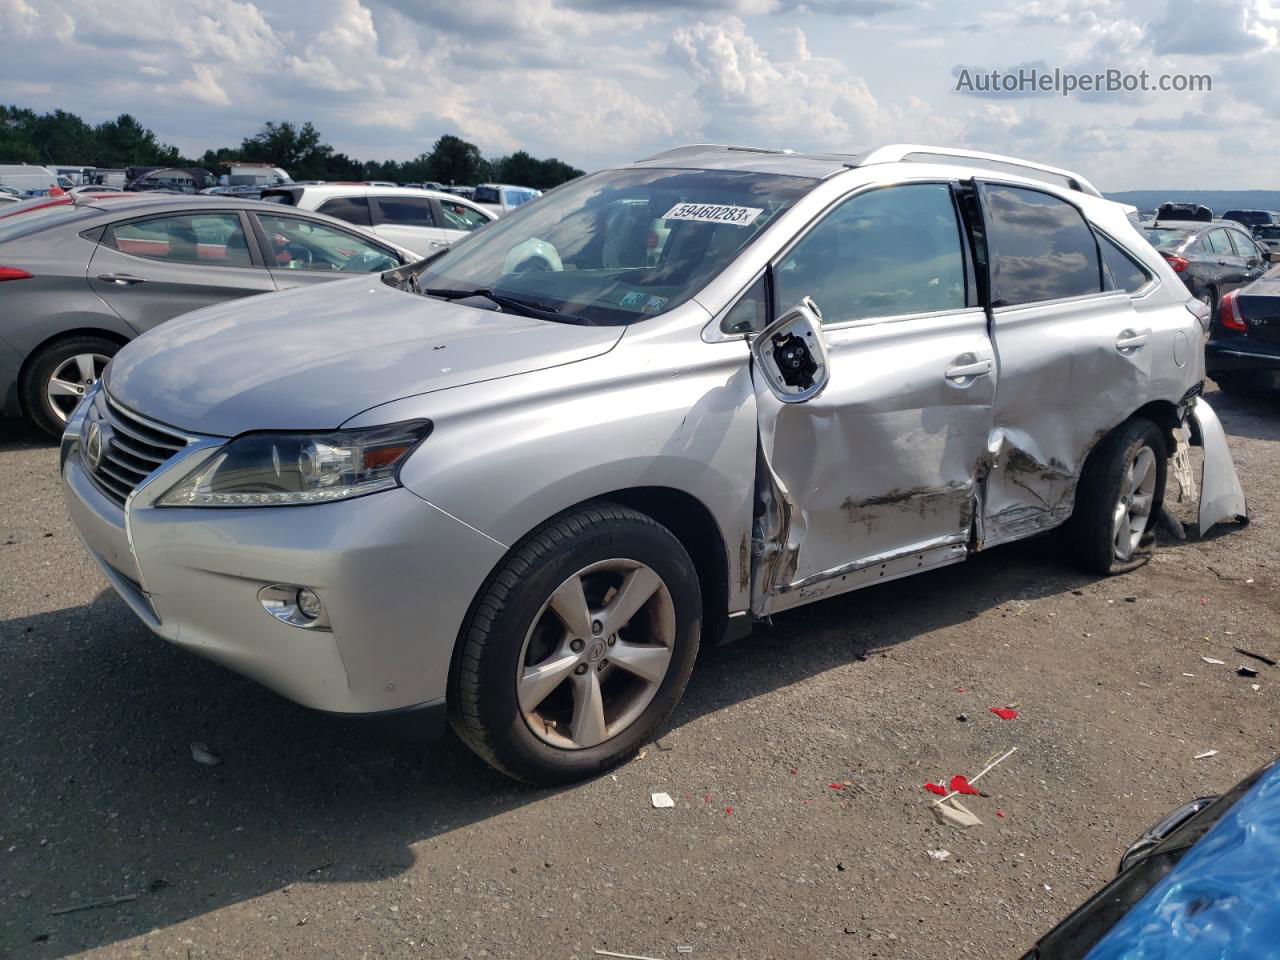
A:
(1202, 883)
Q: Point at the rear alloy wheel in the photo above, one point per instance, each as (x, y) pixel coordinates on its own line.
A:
(1118, 499)
(60, 375)
(579, 646)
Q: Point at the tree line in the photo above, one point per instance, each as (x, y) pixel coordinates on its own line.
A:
(60, 137)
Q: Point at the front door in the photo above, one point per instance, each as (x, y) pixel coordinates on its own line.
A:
(154, 268)
(873, 475)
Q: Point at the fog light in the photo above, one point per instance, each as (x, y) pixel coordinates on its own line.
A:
(294, 605)
(309, 604)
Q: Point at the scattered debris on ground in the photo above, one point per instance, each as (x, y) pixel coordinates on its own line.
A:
(203, 755)
(662, 801)
(94, 904)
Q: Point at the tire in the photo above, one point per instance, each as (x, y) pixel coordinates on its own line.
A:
(1210, 299)
(1094, 531)
(59, 357)
(514, 637)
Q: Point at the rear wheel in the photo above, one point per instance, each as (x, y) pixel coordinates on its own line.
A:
(1119, 497)
(579, 647)
(60, 374)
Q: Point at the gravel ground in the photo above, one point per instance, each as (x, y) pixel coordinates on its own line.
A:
(320, 838)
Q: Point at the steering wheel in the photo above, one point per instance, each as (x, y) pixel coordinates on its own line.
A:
(292, 249)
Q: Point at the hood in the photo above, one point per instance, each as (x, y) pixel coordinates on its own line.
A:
(312, 358)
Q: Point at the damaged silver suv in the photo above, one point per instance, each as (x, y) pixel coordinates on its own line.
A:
(520, 482)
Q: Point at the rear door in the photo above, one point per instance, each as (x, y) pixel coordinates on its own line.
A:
(1074, 358)
(150, 269)
(408, 221)
(1229, 266)
(1252, 261)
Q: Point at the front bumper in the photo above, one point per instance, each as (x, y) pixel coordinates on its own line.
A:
(396, 575)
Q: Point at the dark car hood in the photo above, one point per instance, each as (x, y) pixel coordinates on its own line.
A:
(315, 357)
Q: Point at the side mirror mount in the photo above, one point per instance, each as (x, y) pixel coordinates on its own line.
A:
(791, 354)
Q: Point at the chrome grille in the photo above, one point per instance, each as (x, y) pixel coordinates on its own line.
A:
(129, 448)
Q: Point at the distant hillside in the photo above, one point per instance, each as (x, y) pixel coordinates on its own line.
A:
(1219, 201)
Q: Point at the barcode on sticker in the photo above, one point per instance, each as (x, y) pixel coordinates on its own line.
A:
(714, 213)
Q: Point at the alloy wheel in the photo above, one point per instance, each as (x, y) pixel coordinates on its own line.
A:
(70, 380)
(1133, 509)
(596, 654)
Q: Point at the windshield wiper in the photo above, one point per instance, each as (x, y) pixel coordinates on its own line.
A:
(528, 308)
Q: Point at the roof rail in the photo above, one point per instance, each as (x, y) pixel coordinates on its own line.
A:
(692, 149)
(922, 153)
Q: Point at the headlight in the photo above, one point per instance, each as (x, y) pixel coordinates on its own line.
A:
(281, 469)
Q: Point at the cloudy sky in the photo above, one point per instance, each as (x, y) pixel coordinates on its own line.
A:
(596, 82)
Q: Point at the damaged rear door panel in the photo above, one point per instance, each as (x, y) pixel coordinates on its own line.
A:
(1074, 359)
(874, 476)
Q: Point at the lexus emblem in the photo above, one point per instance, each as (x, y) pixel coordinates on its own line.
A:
(93, 446)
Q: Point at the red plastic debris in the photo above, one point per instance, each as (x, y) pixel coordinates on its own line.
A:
(960, 784)
(999, 813)
(793, 771)
(934, 788)
(837, 786)
(728, 810)
(1004, 713)
(1204, 600)
(961, 690)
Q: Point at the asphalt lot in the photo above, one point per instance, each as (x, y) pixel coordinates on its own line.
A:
(320, 838)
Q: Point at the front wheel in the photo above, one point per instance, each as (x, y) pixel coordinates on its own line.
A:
(1119, 497)
(579, 646)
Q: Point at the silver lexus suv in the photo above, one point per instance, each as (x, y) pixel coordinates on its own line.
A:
(519, 483)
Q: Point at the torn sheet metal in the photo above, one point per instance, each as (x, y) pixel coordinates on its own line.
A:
(1065, 380)
(873, 477)
(1221, 496)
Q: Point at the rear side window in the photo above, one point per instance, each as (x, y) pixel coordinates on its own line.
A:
(1219, 242)
(1119, 269)
(884, 253)
(406, 211)
(1040, 248)
(351, 209)
(208, 239)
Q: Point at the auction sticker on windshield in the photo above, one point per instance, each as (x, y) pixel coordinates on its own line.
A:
(714, 213)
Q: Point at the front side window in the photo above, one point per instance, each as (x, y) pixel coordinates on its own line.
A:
(351, 209)
(1242, 245)
(1041, 248)
(294, 244)
(210, 239)
(459, 216)
(884, 253)
(618, 246)
(406, 211)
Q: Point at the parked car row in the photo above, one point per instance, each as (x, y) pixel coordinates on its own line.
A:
(146, 258)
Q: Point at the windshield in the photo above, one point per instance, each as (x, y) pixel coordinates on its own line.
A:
(1164, 238)
(618, 246)
(1268, 233)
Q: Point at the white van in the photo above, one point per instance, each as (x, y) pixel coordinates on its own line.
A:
(27, 178)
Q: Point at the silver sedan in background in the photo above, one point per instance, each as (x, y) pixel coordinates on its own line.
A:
(519, 483)
(82, 276)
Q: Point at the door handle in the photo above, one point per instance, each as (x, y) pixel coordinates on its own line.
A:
(966, 371)
(1131, 340)
(121, 279)
(438, 243)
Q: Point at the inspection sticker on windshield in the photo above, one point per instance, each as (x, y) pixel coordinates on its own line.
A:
(714, 213)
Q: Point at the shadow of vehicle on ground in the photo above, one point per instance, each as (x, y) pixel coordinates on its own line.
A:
(102, 797)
